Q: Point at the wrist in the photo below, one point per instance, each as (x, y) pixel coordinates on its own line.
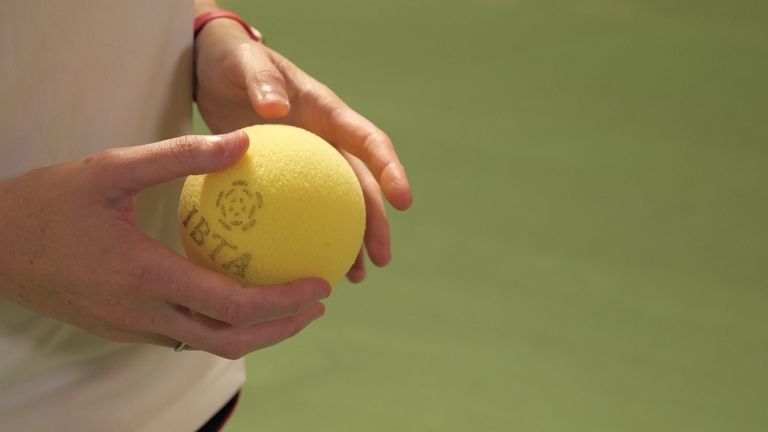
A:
(219, 26)
(210, 17)
(218, 32)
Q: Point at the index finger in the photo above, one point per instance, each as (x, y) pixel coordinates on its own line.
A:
(359, 136)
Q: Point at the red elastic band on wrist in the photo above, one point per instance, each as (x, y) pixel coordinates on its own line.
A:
(204, 18)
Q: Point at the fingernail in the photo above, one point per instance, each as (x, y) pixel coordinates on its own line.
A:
(271, 102)
(265, 88)
(267, 93)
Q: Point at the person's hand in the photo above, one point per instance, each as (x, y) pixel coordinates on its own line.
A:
(71, 251)
(241, 82)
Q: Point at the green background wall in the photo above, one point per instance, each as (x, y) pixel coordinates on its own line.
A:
(588, 248)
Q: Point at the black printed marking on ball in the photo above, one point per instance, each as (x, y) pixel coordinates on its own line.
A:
(200, 231)
(237, 206)
(238, 266)
(191, 213)
(222, 244)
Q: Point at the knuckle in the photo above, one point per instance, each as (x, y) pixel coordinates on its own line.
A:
(235, 313)
(105, 157)
(184, 149)
(105, 161)
(267, 74)
(375, 139)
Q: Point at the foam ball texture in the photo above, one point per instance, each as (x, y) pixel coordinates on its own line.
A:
(290, 208)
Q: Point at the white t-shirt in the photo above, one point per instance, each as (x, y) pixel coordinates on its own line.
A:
(77, 77)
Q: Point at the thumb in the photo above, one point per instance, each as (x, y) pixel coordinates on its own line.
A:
(147, 165)
(265, 84)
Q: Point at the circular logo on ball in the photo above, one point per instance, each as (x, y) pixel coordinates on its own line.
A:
(237, 206)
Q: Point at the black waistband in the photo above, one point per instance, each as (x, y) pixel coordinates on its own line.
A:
(220, 418)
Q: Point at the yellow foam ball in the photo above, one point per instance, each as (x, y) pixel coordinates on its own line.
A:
(290, 208)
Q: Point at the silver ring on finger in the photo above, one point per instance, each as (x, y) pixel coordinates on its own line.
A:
(181, 346)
